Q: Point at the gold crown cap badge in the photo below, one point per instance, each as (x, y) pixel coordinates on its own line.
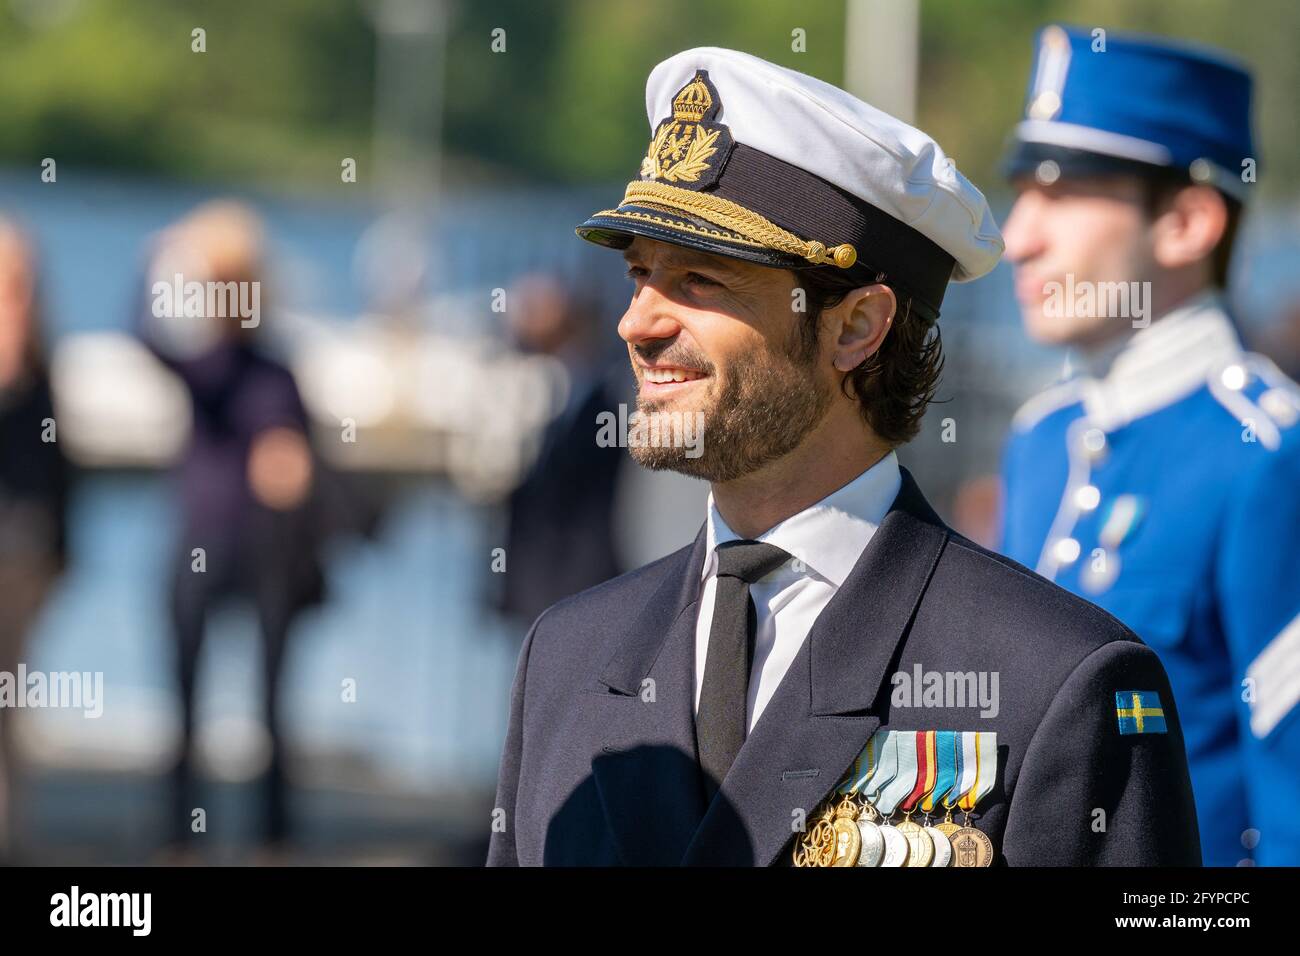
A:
(685, 156)
(692, 101)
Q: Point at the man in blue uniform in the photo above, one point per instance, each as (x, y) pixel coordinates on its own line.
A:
(788, 247)
(1161, 477)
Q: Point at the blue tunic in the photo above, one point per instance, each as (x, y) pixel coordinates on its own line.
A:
(1167, 491)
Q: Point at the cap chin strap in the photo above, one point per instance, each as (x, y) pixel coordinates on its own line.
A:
(746, 222)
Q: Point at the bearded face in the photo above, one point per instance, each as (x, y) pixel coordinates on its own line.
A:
(717, 341)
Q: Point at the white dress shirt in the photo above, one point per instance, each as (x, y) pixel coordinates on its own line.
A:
(826, 539)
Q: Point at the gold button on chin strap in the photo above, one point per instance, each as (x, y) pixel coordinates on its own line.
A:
(746, 222)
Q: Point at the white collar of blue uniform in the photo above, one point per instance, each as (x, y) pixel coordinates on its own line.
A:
(829, 536)
(1156, 366)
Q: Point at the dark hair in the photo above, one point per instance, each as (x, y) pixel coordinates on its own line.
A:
(1158, 193)
(893, 386)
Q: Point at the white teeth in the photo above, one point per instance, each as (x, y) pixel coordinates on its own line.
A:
(662, 376)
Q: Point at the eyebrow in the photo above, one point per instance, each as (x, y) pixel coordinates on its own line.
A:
(685, 260)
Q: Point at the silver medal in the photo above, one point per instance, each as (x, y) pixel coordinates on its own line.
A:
(942, 847)
(895, 846)
(873, 844)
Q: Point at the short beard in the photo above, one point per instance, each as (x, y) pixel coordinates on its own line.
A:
(765, 409)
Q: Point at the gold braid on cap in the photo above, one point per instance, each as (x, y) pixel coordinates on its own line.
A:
(733, 216)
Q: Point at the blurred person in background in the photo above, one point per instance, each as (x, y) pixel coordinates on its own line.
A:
(560, 535)
(246, 483)
(33, 486)
(1162, 479)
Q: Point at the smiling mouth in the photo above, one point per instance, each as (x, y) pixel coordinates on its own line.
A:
(669, 376)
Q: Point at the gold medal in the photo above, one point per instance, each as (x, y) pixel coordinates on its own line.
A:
(817, 844)
(920, 849)
(838, 837)
(848, 838)
(971, 848)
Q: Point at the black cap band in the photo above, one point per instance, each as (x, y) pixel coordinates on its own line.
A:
(800, 203)
(808, 205)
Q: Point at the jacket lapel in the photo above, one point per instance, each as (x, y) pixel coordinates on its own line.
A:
(821, 715)
(649, 759)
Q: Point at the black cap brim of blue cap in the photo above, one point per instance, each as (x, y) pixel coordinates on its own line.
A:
(1025, 158)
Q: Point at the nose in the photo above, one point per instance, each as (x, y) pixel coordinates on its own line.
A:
(648, 317)
(1020, 232)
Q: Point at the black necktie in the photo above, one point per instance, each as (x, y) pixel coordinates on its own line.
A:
(720, 721)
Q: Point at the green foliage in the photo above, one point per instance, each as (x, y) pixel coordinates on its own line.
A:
(286, 88)
(112, 83)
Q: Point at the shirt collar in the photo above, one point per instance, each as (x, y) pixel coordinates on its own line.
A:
(829, 536)
(1158, 365)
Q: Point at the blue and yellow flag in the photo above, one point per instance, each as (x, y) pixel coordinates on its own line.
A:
(1139, 712)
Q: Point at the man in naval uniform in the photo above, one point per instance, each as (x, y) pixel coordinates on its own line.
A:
(1161, 478)
(821, 641)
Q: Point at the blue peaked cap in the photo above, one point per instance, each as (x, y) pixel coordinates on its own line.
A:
(1137, 103)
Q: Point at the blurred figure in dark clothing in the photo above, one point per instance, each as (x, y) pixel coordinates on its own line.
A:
(33, 485)
(560, 537)
(250, 525)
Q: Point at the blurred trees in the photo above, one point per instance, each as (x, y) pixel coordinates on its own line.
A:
(286, 88)
(115, 83)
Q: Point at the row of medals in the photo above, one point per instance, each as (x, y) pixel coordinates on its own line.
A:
(853, 834)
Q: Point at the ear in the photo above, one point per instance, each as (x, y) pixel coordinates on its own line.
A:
(862, 320)
(1190, 228)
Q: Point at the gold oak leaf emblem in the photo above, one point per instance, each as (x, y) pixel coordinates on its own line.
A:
(679, 157)
(689, 167)
(650, 165)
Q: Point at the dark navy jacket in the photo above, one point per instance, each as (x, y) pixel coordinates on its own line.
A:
(600, 765)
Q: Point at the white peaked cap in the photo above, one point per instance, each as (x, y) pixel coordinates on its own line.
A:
(834, 135)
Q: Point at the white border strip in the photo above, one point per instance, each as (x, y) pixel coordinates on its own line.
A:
(1276, 674)
(1067, 512)
(1075, 136)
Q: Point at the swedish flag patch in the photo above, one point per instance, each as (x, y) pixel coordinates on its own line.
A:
(1139, 712)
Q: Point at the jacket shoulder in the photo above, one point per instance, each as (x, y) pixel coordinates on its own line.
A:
(1045, 615)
